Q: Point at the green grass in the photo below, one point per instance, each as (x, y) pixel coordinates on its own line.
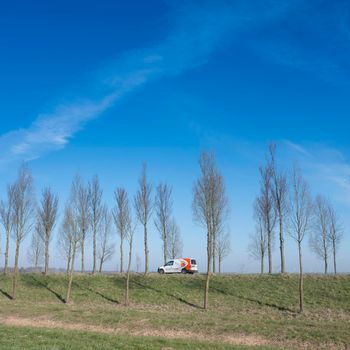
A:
(251, 305)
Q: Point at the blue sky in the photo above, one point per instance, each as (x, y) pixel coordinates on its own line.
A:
(103, 86)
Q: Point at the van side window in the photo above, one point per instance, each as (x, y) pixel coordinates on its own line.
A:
(193, 262)
(169, 263)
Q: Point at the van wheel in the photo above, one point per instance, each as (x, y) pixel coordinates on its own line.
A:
(183, 271)
(161, 271)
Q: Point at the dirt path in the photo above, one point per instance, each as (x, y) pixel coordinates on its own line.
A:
(238, 339)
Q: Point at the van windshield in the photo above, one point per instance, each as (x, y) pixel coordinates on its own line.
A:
(193, 262)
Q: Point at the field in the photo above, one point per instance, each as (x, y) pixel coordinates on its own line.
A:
(246, 312)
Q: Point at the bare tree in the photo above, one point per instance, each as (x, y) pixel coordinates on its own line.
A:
(163, 209)
(223, 248)
(209, 207)
(121, 214)
(105, 249)
(143, 207)
(129, 236)
(300, 220)
(319, 241)
(267, 209)
(95, 206)
(72, 233)
(175, 240)
(335, 234)
(138, 263)
(80, 207)
(6, 208)
(35, 252)
(23, 210)
(47, 215)
(258, 242)
(64, 242)
(280, 196)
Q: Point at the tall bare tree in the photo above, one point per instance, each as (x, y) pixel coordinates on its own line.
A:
(64, 241)
(163, 210)
(319, 240)
(121, 214)
(175, 240)
(35, 251)
(80, 207)
(129, 236)
(280, 196)
(72, 233)
(335, 234)
(258, 241)
(209, 207)
(6, 216)
(23, 210)
(301, 207)
(95, 206)
(47, 215)
(223, 248)
(267, 208)
(105, 248)
(143, 207)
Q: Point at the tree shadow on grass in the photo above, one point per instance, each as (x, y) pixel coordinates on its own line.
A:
(182, 300)
(45, 285)
(259, 302)
(114, 301)
(7, 295)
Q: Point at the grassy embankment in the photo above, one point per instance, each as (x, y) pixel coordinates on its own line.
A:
(246, 311)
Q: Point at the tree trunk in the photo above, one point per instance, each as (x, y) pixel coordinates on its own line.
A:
(46, 255)
(36, 263)
(269, 246)
(209, 252)
(301, 280)
(282, 244)
(325, 265)
(121, 255)
(94, 250)
(164, 247)
(262, 264)
(101, 263)
(334, 259)
(69, 257)
(15, 273)
(128, 275)
(82, 254)
(214, 253)
(7, 252)
(219, 265)
(146, 248)
(70, 280)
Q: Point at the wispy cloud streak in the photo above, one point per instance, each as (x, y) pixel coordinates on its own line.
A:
(198, 30)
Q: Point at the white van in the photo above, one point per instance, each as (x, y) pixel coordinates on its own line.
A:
(180, 265)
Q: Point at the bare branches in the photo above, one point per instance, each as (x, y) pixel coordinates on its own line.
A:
(335, 234)
(6, 217)
(223, 248)
(267, 208)
(163, 210)
(105, 248)
(319, 241)
(300, 220)
(143, 207)
(47, 215)
(279, 189)
(175, 240)
(22, 214)
(95, 213)
(35, 252)
(258, 242)
(121, 215)
(80, 207)
(210, 207)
